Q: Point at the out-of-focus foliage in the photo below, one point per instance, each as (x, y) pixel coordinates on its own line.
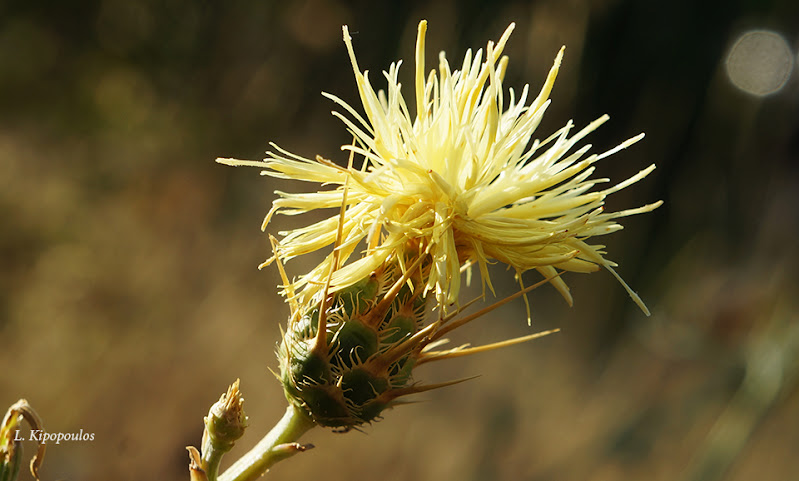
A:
(128, 291)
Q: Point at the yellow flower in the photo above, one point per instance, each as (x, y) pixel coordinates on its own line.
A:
(462, 181)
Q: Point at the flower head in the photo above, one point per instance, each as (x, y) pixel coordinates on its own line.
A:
(461, 181)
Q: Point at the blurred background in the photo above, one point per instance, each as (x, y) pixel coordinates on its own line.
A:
(130, 298)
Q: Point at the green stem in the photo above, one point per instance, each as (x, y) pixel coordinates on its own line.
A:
(211, 458)
(277, 445)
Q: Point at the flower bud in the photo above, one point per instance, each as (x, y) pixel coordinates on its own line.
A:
(226, 420)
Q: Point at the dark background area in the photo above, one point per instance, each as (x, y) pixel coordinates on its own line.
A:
(129, 295)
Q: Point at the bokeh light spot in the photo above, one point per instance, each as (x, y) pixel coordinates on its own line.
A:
(759, 62)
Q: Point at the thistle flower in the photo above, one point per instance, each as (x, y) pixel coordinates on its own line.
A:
(461, 181)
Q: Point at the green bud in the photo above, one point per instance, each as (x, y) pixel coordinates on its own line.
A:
(226, 420)
(224, 425)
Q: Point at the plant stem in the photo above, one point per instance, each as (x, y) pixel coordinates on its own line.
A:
(211, 458)
(277, 445)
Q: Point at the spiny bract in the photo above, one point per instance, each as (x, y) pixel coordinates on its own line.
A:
(351, 374)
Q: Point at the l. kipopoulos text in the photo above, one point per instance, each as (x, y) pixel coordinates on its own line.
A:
(42, 436)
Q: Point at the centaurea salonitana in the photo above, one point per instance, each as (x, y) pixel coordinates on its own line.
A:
(459, 182)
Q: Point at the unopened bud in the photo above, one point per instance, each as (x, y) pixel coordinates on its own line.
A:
(226, 420)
